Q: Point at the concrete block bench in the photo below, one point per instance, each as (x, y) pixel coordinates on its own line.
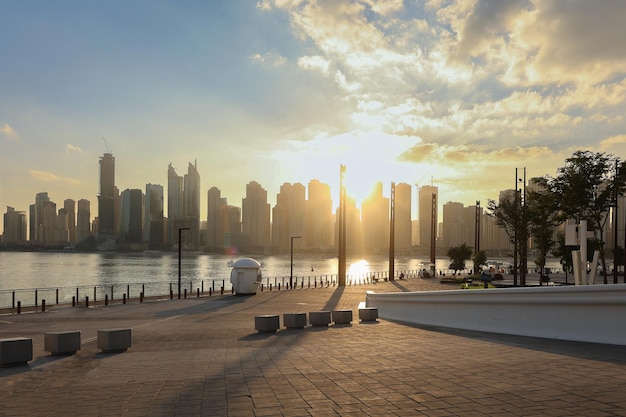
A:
(62, 343)
(294, 320)
(368, 313)
(15, 351)
(268, 323)
(114, 340)
(319, 318)
(342, 316)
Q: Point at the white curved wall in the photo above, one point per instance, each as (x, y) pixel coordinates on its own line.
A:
(595, 313)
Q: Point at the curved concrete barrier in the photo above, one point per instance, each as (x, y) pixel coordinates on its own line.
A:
(589, 313)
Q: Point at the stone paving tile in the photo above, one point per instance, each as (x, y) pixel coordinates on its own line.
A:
(203, 357)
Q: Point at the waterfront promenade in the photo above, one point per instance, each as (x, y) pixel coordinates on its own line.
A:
(202, 356)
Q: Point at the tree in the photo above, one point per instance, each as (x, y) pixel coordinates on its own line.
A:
(543, 218)
(479, 258)
(458, 255)
(511, 215)
(588, 186)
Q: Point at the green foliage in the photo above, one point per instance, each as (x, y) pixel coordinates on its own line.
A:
(587, 188)
(458, 255)
(479, 259)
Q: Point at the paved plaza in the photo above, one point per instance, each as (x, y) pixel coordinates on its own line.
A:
(202, 357)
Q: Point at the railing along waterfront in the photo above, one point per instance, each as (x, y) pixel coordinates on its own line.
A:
(90, 295)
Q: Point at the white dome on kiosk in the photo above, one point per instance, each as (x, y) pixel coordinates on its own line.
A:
(247, 263)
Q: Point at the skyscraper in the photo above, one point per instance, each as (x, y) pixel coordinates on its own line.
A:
(131, 216)
(83, 221)
(107, 196)
(215, 230)
(425, 215)
(14, 230)
(319, 211)
(174, 203)
(255, 217)
(191, 205)
(154, 225)
(403, 230)
(36, 217)
(375, 221)
(70, 209)
(288, 216)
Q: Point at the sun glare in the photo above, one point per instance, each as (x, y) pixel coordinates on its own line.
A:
(358, 271)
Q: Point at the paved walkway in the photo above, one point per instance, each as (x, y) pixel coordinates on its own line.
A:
(202, 357)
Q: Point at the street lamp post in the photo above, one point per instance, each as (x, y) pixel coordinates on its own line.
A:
(180, 247)
(291, 264)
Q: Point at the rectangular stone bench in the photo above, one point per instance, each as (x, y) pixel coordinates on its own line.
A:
(15, 351)
(342, 316)
(319, 318)
(62, 343)
(114, 340)
(368, 313)
(294, 320)
(267, 323)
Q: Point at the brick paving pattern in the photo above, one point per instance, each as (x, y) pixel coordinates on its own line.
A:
(202, 357)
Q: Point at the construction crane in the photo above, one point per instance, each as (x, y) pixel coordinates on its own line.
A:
(106, 144)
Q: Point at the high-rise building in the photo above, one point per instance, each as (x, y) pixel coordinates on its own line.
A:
(425, 215)
(131, 216)
(154, 224)
(14, 230)
(403, 229)
(174, 203)
(375, 221)
(230, 217)
(48, 226)
(107, 197)
(454, 226)
(83, 220)
(319, 212)
(255, 217)
(70, 208)
(62, 231)
(215, 229)
(191, 206)
(36, 218)
(288, 216)
(354, 240)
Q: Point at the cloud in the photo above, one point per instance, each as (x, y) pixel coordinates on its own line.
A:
(445, 154)
(8, 132)
(269, 59)
(314, 63)
(50, 177)
(72, 148)
(612, 143)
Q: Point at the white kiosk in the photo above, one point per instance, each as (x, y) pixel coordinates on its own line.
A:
(245, 276)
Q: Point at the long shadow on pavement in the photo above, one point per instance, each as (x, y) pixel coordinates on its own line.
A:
(583, 350)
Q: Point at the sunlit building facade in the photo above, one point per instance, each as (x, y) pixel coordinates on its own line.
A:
(255, 218)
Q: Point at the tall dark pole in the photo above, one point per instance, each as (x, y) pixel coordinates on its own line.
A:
(180, 248)
(392, 231)
(341, 242)
(477, 232)
(433, 232)
(291, 263)
(615, 260)
(515, 227)
(524, 244)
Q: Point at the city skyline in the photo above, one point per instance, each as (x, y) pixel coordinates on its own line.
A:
(453, 93)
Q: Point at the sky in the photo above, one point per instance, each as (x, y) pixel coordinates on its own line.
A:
(455, 94)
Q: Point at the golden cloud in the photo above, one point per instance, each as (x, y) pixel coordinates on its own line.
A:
(8, 131)
(50, 177)
(72, 148)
